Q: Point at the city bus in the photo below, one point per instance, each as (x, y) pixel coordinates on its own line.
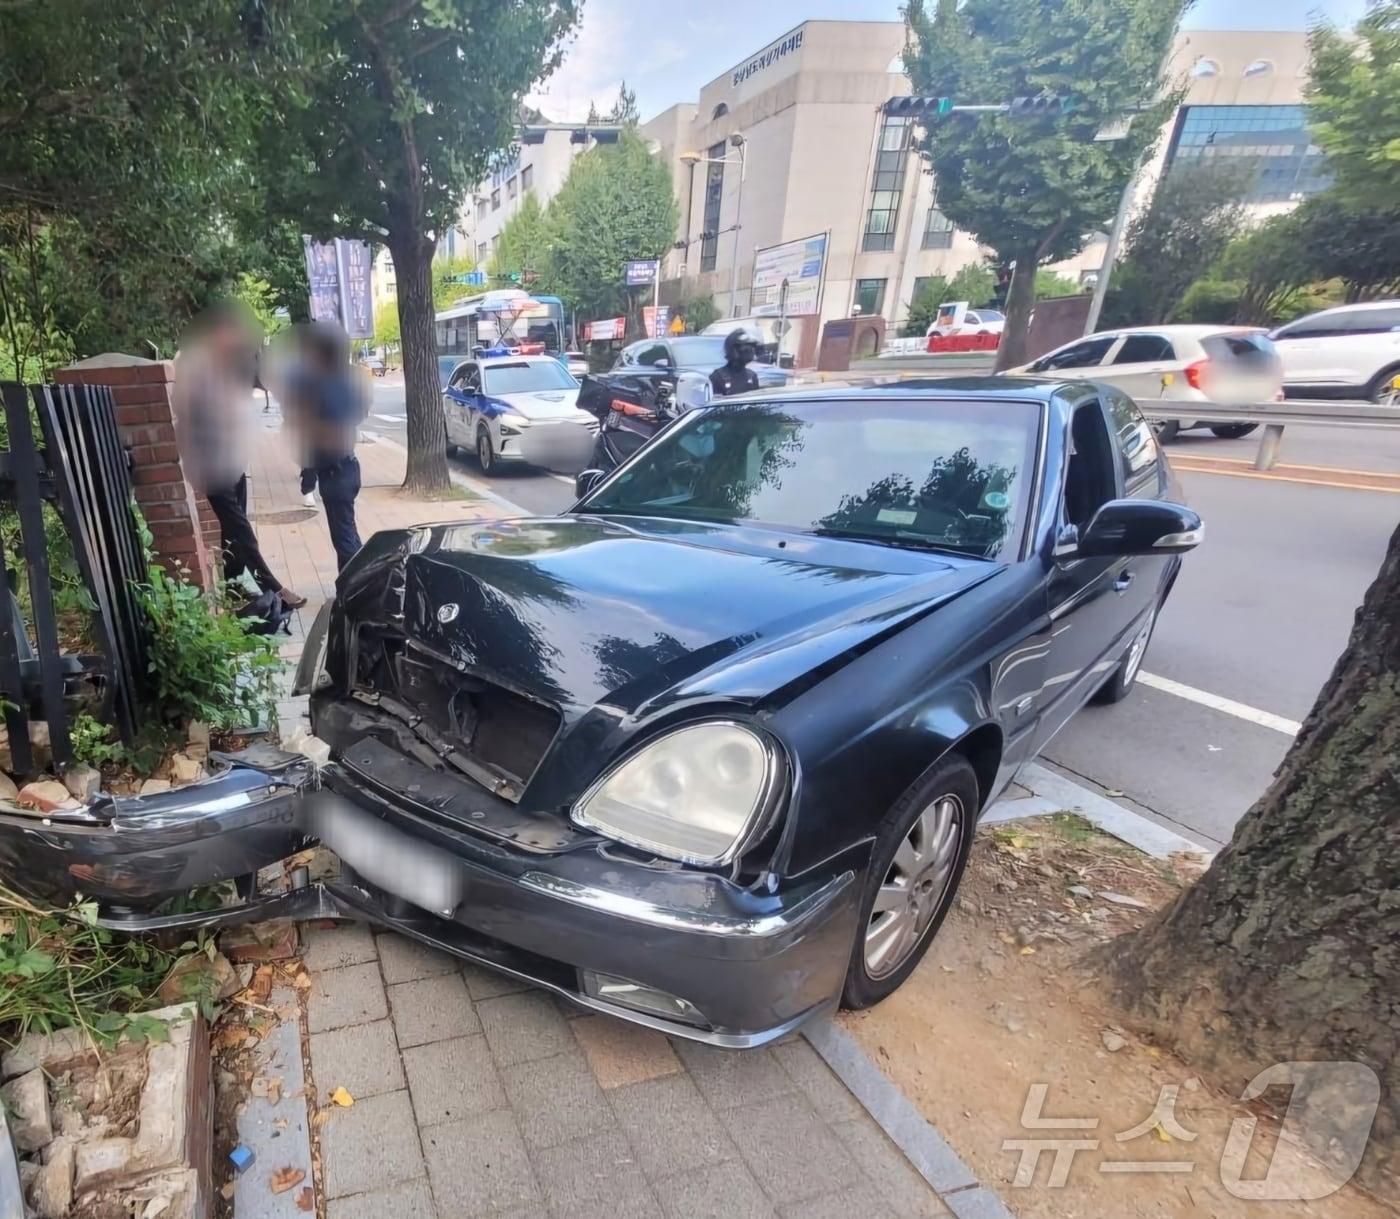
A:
(507, 318)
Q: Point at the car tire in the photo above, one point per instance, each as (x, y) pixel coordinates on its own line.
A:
(1125, 674)
(486, 452)
(940, 812)
(1380, 390)
(1232, 431)
(1167, 430)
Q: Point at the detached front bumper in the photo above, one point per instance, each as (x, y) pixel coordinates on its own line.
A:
(684, 951)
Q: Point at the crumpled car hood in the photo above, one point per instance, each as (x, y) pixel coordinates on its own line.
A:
(579, 611)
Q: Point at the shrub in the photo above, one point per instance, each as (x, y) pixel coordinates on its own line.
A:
(204, 664)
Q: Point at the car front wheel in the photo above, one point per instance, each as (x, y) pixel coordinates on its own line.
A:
(1232, 431)
(915, 867)
(1121, 680)
(485, 451)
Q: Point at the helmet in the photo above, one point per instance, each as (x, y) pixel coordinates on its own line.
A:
(741, 345)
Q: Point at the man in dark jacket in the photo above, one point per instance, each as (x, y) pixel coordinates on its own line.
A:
(735, 376)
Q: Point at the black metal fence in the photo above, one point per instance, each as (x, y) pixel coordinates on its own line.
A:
(80, 468)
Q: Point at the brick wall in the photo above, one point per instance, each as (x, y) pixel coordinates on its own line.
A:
(175, 514)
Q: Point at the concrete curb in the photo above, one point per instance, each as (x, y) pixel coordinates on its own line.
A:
(467, 484)
(907, 1128)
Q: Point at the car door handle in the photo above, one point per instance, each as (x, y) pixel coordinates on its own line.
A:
(1124, 582)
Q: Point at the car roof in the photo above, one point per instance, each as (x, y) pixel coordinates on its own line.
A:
(1198, 330)
(1006, 389)
(1355, 307)
(493, 361)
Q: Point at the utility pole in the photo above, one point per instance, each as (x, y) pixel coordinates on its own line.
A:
(741, 144)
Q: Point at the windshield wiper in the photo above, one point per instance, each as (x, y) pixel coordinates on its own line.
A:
(898, 538)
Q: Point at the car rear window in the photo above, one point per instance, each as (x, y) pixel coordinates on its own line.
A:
(1144, 349)
(1241, 349)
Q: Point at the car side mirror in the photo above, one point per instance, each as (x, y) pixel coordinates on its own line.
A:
(692, 391)
(1140, 526)
(586, 480)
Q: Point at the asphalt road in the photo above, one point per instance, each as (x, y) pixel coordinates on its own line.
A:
(1260, 613)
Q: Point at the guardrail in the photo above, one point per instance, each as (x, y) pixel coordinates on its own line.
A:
(1274, 416)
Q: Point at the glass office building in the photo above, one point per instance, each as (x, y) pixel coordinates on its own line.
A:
(1273, 139)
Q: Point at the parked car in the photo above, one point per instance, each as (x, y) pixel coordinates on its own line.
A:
(707, 750)
(517, 409)
(1222, 365)
(1352, 351)
(777, 335)
(577, 364)
(374, 366)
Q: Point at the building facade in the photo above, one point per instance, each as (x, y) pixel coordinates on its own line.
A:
(793, 142)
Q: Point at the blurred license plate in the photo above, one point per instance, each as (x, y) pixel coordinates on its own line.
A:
(388, 858)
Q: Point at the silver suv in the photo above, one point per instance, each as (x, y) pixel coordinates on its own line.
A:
(1352, 351)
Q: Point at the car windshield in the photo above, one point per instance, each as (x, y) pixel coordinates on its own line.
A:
(527, 377)
(699, 351)
(939, 475)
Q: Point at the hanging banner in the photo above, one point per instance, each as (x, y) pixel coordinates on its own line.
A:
(655, 319)
(338, 273)
(603, 329)
(356, 299)
(323, 274)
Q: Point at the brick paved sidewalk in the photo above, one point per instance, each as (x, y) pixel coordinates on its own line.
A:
(479, 1096)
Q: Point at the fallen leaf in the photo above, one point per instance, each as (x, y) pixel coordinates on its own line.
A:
(280, 1123)
(342, 1097)
(306, 1200)
(320, 1118)
(1006, 937)
(302, 981)
(1161, 1134)
(227, 1188)
(1028, 951)
(286, 1178)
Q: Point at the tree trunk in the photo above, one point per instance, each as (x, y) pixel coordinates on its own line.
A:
(1288, 948)
(1020, 300)
(427, 436)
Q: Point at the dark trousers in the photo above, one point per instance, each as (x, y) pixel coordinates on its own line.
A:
(236, 534)
(340, 484)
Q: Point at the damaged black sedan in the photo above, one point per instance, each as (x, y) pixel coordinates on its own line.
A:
(706, 751)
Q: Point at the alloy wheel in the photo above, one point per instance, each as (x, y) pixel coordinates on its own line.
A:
(484, 455)
(914, 886)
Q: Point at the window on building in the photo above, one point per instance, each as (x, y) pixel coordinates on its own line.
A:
(527, 178)
(870, 295)
(714, 196)
(512, 185)
(483, 248)
(938, 231)
(888, 183)
(1270, 141)
(496, 199)
(481, 209)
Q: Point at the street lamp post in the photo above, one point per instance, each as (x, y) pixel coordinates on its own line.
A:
(693, 159)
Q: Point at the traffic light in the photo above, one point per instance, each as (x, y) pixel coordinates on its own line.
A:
(1043, 105)
(916, 107)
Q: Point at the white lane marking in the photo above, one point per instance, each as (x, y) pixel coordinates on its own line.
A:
(563, 478)
(1243, 711)
(390, 418)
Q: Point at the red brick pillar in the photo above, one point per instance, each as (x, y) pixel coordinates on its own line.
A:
(173, 511)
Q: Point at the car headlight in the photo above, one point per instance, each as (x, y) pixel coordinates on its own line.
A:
(698, 794)
(513, 425)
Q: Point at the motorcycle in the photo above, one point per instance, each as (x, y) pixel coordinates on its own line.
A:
(632, 417)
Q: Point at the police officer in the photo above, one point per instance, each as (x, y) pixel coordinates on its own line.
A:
(735, 376)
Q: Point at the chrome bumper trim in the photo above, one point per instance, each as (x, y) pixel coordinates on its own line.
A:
(698, 922)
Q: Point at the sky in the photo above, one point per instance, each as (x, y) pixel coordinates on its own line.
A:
(667, 49)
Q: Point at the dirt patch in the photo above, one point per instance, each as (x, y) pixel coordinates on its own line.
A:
(1000, 1030)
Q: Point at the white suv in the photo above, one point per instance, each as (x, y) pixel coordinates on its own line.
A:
(1352, 351)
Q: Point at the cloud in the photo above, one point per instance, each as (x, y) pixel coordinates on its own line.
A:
(592, 70)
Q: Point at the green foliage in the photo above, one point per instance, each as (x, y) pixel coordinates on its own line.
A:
(1031, 189)
(1192, 218)
(1051, 283)
(97, 744)
(923, 306)
(975, 283)
(616, 204)
(386, 323)
(1207, 300)
(447, 291)
(204, 665)
(523, 245)
(58, 969)
(624, 109)
(698, 312)
(258, 295)
(1354, 98)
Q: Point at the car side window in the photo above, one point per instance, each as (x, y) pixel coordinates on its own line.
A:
(471, 379)
(1319, 326)
(1144, 349)
(655, 355)
(1135, 443)
(1090, 480)
(1369, 321)
(1076, 355)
